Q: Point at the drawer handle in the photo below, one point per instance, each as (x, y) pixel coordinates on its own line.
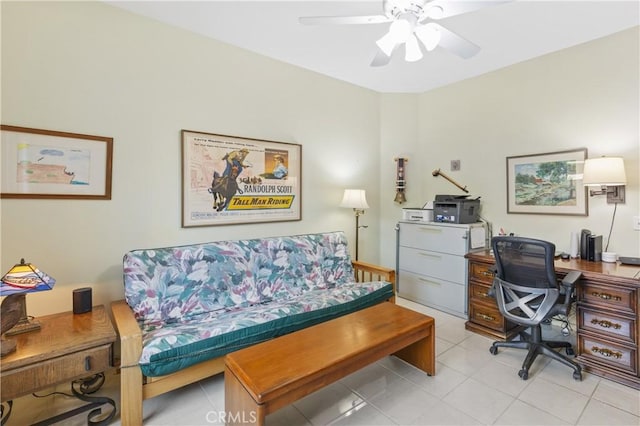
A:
(606, 296)
(482, 294)
(429, 282)
(487, 274)
(87, 363)
(606, 324)
(430, 255)
(425, 229)
(606, 352)
(485, 317)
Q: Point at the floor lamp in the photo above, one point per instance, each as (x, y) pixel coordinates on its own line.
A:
(355, 199)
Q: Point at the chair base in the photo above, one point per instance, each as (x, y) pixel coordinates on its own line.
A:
(535, 346)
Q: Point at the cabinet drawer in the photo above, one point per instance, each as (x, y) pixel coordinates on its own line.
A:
(617, 356)
(434, 264)
(444, 239)
(620, 299)
(58, 370)
(486, 315)
(480, 292)
(440, 294)
(606, 325)
(481, 272)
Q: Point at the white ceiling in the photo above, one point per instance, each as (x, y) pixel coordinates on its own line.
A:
(508, 33)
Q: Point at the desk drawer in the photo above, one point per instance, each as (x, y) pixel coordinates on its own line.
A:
(434, 264)
(481, 272)
(480, 292)
(607, 325)
(69, 367)
(616, 356)
(487, 316)
(620, 299)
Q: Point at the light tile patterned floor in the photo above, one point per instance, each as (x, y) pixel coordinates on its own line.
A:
(471, 387)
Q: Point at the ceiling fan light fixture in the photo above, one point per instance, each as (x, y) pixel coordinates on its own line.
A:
(429, 35)
(387, 43)
(412, 50)
(435, 12)
(400, 30)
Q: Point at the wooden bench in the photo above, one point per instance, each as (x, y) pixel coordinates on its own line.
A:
(266, 377)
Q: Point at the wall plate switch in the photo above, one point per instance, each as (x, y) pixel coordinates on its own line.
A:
(636, 223)
(455, 165)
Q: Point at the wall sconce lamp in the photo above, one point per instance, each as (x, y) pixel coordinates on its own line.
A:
(607, 173)
(355, 199)
(21, 279)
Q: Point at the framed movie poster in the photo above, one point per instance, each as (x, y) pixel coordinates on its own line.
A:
(548, 183)
(229, 180)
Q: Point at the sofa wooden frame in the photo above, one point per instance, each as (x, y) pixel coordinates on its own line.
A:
(135, 388)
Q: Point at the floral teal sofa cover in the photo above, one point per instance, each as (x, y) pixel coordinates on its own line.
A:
(199, 302)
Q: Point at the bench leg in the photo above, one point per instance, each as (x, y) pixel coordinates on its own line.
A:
(421, 354)
(239, 406)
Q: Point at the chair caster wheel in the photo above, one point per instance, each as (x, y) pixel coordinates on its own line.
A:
(570, 351)
(493, 350)
(524, 374)
(577, 376)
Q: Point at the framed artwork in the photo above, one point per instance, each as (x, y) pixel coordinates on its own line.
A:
(228, 180)
(548, 183)
(48, 164)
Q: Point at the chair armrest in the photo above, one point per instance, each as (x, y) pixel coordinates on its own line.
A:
(571, 278)
(569, 283)
(129, 332)
(369, 272)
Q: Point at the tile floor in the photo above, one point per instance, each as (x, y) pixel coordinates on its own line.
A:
(471, 387)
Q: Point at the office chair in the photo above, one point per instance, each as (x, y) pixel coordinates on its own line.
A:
(527, 293)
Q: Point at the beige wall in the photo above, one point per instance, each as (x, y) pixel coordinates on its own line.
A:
(583, 97)
(90, 68)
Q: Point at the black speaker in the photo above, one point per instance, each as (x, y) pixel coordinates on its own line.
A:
(82, 300)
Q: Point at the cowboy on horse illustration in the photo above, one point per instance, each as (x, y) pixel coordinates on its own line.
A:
(224, 187)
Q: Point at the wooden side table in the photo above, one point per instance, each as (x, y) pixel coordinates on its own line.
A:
(67, 348)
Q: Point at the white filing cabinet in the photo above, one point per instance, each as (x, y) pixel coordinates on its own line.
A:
(430, 265)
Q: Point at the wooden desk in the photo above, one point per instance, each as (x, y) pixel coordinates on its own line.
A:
(606, 314)
(68, 347)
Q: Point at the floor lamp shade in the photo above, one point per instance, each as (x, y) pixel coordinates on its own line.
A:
(355, 199)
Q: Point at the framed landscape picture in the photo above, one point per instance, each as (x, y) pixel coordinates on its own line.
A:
(40, 163)
(548, 183)
(229, 180)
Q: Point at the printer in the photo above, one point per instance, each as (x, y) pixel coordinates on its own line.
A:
(456, 209)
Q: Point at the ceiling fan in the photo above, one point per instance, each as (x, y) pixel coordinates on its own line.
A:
(412, 21)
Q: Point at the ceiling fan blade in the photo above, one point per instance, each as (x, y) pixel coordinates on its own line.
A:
(447, 8)
(382, 58)
(319, 20)
(456, 44)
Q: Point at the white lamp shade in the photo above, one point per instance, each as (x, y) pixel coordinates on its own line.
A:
(354, 199)
(607, 171)
(429, 35)
(412, 49)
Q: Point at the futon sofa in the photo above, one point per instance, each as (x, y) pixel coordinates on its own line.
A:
(185, 307)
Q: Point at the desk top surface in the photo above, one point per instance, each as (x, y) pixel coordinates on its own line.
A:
(617, 269)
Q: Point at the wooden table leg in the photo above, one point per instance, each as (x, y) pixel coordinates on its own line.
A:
(422, 353)
(239, 406)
